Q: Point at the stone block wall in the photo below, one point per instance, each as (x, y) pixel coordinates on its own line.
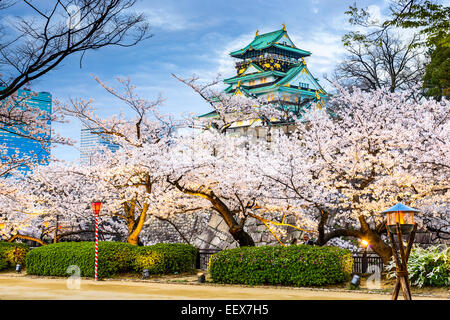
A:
(208, 231)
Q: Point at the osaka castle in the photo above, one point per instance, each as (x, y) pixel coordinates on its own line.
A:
(272, 68)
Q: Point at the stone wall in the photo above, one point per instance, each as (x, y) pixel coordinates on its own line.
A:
(208, 231)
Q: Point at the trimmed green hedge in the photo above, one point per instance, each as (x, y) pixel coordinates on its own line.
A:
(12, 254)
(164, 258)
(113, 258)
(298, 265)
(3, 265)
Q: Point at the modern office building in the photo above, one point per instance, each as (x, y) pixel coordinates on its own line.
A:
(90, 141)
(14, 135)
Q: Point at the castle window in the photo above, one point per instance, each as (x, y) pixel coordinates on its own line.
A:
(303, 85)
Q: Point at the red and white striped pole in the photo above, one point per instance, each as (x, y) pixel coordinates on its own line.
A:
(96, 207)
(96, 246)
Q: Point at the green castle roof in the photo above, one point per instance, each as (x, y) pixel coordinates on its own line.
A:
(267, 40)
(291, 80)
(254, 76)
(279, 85)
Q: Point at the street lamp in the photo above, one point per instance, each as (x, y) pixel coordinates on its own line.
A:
(96, 205)
(400, 221)
(201, 277)
(364, 244)
(401, 214)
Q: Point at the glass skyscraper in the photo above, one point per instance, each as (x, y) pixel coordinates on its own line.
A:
(21, 145)
(90, 141)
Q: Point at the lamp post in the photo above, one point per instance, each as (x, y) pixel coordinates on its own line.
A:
(96, 208)
(365, 244)
(400, 221)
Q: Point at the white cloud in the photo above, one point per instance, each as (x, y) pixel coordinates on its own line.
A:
(219, 57)
(315, 6)
(325, 47)
(167, 19)
(375, 15)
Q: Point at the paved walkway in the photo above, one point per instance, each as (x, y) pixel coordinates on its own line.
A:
(26, 287)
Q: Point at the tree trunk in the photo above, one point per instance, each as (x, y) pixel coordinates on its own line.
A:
(372, 237)
(379, 246)
(321, 226)
(236, 231)
(133, 237)
(242, 237)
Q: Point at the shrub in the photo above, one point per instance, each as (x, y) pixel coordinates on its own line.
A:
(12, 254)
(163, 258)
(54, 259)
(427, 267)
(298, 265)
(113, 258)
(3, 265)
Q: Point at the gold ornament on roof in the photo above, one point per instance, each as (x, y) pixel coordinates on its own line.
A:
(284, 27)
(257, 33)
(317, 95)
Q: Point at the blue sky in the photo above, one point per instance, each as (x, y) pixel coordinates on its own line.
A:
(196, 37)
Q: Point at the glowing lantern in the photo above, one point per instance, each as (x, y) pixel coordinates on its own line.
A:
(96, 207)
(401, 214)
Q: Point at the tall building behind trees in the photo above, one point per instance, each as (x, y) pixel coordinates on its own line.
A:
(26, 142)
(91, 140)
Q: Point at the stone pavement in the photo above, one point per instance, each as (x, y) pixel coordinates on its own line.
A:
(22, 287)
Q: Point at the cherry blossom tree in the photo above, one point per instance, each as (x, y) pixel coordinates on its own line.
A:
(216, 171)
(53, 202)
(214, 166)
(21, 117)
(130, 176)
(129, 180)
(334, 174)
(30, 48)
(373, 150)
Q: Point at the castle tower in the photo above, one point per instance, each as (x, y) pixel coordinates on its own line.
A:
(271, 67)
